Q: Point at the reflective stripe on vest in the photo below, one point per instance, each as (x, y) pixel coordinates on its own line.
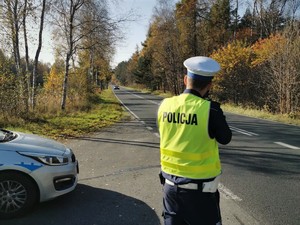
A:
(186, 149)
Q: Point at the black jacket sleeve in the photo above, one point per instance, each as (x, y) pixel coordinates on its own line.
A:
(217, 125)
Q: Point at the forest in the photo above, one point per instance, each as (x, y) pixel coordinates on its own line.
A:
(259, 51)
(257, 44)
(83, 36)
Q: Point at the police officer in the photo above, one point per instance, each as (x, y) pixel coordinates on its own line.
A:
(190, 129)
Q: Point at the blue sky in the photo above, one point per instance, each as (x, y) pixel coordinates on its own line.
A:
(135, 32)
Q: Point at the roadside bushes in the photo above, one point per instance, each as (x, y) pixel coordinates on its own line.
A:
(236, 82)
(262, 76)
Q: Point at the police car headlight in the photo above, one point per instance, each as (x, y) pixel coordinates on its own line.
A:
(50, 160)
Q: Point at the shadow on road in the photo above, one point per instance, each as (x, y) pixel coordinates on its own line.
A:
(120, 141)
(89, 206)
(261, 160)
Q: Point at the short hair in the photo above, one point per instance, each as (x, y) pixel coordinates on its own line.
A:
(198, 84)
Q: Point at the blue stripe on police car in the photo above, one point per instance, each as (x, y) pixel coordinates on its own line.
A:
(29, 166)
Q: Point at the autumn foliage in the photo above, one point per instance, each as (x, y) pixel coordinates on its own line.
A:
(264, 75)
(236, 78)
(267, 48)
(258, 52)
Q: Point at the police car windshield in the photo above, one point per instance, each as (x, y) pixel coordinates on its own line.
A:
(6, 135)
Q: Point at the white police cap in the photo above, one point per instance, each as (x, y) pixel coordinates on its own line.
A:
(201, 67)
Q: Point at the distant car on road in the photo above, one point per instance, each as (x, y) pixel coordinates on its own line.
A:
(33, 169)
(116, 87)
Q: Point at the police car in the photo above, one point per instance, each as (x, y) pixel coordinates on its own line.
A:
(33, 169)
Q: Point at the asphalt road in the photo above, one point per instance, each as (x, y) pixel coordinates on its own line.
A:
(261, 166)
(119, 166)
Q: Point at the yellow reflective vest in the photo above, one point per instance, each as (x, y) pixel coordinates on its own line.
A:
(186, 150)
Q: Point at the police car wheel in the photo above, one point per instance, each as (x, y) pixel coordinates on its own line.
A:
(18, 194)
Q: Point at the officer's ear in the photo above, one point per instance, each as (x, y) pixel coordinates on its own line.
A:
(185, 80)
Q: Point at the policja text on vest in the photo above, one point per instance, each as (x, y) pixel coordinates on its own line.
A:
(182, 118)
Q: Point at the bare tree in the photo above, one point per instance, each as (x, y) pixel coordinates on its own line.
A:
(285, 77)
(98, 36)
(12, 20)
(15, 16)
(25, 37)
(269, 15)
(292, 10)
(67, 23)
(82, 24)
(163, 41)
(37, 53)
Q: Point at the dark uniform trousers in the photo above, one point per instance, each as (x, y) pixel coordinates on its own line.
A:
(190, 207)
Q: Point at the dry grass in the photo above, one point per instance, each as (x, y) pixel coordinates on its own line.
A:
(103, 111)
(283, 118)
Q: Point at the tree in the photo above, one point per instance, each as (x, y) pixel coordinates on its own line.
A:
(236, 80)
(9, 95)
(99, 35)
(54, 79)
(17, 14)
(68, 24)
(219, 24)
(142, 72)
(132, 65)
(279, 55)
(37, 53)
(268, 16)
(245, 30)
(12, 16)
(83, 25)
(186, 20)
(121, 73)
(165, 49)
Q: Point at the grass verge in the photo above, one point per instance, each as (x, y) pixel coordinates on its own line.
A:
(106, 110)
(283, 118)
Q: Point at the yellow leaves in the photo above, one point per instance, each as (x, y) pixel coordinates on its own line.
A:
(105, 72)
(238, 54)
(233, 55)
(54, 79)
(265, 49)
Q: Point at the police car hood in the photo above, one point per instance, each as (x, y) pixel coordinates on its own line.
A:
(33, 143)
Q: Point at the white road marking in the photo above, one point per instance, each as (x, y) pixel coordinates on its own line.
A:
(248, 133)
(228, 194)
(155, 103)
(127, 108)
(135, 95)
(149, 128)
(287, 145)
